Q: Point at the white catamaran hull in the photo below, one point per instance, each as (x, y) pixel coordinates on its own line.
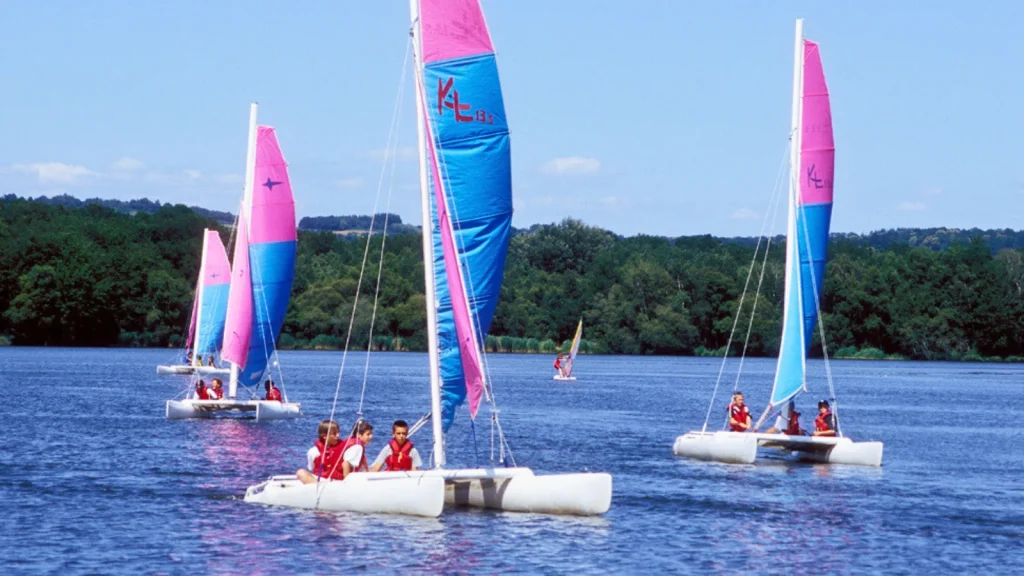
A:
(263, 410)
(519, 490)
(369, 493)
(741, 448)
(186, 370)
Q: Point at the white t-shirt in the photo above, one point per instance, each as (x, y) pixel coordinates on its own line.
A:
(311, 457)
(413, 454)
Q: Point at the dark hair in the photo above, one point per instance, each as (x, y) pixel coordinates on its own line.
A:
(268, 384)
(823, 403)
(399, 424)
(325, 428)
(360, 427)
(218, 381)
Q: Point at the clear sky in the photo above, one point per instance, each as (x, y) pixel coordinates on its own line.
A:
(664, 117)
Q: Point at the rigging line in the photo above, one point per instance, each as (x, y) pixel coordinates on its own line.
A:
(735, 322)
(366, 251)
(384, 234)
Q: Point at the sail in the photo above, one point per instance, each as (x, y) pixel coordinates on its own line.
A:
(238, 325)
(215, 278)
(469, 141)
(817, 166)
(574, 349)
(272, 241)
(808, 228)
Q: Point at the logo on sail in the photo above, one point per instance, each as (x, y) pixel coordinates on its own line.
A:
(448, 97)
(813, 181)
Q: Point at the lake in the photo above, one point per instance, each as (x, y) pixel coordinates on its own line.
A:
(93, 478)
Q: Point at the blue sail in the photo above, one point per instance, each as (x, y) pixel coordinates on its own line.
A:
(789, 374)
(466, 112)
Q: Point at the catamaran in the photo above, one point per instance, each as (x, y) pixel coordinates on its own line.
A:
(209, 309)
(466, 203)
(572, 354)
(812, 160)
(259, 289)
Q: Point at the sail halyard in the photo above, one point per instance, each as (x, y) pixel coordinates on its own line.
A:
(791, 368)
(427, 237)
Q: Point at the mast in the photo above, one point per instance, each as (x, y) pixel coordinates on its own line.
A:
(795, 174)
(199, 298)
(428, 246)
(250, 175)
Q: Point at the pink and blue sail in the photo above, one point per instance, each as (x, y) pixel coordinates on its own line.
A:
(238, 326)
(471, 188)
(813, 213)
(211, 300)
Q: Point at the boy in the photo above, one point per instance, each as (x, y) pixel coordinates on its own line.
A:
(327, 443)
(558, 365)
(202, 392)
(399, 454)
(739, 416)
(217, 392)
(825, 423)
(273, 394)
(788, 422)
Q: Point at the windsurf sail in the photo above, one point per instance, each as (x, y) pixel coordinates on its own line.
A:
(471, 188)
(810, 215)
(211, 303)
(574, 348)
(271, 254)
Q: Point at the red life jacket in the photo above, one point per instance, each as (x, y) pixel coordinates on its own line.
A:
(823, 422)
(337, 455)
(793, 427)
(739, 414)
(215, 394)
(202, 392)
(329, 463)
(400, 458)
(274, 394)
(558, 363)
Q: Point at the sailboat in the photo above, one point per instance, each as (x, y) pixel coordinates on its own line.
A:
(261, 282)
(466, 203)
(209, 309)
(572, 354)
(812, 162)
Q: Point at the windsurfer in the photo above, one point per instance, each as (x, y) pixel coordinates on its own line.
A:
(739, 415)
(399, 454)
(558, 365)
(825, 424)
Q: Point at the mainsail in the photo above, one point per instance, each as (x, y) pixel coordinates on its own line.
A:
(210, 305)
(574, 349)
(471, 188)
(238, 328)
(812, 166)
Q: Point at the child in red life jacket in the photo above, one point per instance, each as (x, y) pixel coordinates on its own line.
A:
(202, 393)
(825, 424)
(217, 391)
(399, 454)
(558, 365)
(788, 422)
(739, 415)
(324, 455)
(273, 394)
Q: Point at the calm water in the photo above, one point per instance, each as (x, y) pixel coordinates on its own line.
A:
(94, 479)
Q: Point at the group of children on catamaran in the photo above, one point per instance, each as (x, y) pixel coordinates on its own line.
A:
(787, 422)
(334, 459)
(216, 390)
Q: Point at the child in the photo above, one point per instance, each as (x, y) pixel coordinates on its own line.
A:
(825, 424)
(273, 394)
(202, 393)
(327, 443)
(399, 454)
(217, 392)
(739, 416)
(558, 365)
(788, 422)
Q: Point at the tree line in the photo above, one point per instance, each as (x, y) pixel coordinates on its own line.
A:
(94, 276)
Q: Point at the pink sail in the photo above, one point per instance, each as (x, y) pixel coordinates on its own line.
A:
(453, 29)
(238, 325)
(468, 351)
(817, 148)
(273, 206)
(217, 269)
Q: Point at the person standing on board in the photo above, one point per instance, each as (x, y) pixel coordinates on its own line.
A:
(825, 424)
(558, 365)
(399, 454)
(739, 415)
(323, 458)
(217, 391)
(273, 394)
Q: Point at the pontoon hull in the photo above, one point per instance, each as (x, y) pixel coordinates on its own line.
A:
(741, 448)
(263, 410)
(565, 378)
(186, 370)
(367, 493)
(519, 490)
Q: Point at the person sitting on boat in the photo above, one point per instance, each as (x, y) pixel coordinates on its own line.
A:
(326, 451)
(558, 365)
(202, 392)
(273, 394)
(209, 361)
(399, 454)
(825, 424)
(188, 358)
(354, 450)
(739, 415)
(216, 392)
(788, 422)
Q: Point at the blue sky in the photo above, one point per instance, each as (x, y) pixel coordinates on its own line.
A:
(662, 117)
